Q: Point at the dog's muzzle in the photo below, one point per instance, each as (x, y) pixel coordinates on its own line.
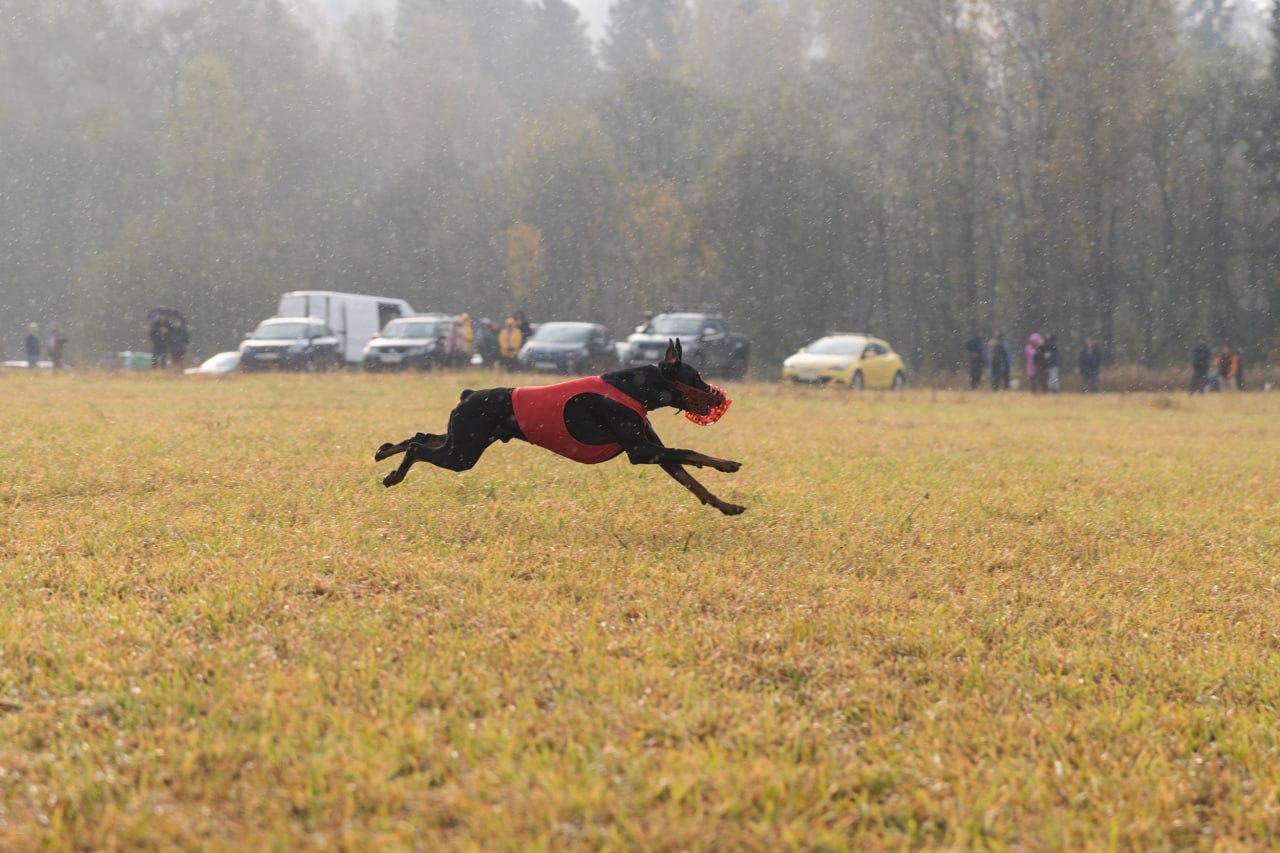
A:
(713, 402)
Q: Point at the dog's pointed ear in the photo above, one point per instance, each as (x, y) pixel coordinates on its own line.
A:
(674, 354)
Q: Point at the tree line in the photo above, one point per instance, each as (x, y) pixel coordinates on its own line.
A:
(916, 168)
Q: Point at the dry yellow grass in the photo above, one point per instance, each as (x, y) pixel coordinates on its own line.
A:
(946, 620)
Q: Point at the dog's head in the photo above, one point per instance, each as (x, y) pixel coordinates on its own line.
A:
(702, 403)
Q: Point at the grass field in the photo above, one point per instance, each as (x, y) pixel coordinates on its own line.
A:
(945, 620)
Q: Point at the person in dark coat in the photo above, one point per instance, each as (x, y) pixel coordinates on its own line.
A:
(1201, 356)
(1001, 363)
(56, 344)
(158, 332)
(487, 341)
(526, 331)
(1040, 382)
(975, 350)
(32, 345)
(1091, 366)
(177, 341)
(1050, 364)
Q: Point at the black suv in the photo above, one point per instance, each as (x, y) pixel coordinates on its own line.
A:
(291, 343)
(703, 335)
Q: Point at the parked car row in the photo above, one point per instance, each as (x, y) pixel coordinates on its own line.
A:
(321, 330)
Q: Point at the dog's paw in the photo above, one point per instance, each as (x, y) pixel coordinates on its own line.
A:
(731, 509)
(392, 478)
(729, 467)
(381, 453)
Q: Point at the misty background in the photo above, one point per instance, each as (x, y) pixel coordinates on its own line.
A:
(906, 167)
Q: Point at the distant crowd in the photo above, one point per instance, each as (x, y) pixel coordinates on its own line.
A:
(1219, 369)
(167, 330)
(495, 344)
(53, 346)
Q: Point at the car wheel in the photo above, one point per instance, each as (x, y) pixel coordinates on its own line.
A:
(899, 381)
(856, 383)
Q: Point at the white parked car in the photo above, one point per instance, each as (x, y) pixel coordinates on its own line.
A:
(421, 341)
(218, 365)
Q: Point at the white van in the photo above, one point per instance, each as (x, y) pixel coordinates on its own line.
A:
(354, 318)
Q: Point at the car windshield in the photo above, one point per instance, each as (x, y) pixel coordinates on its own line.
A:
(676, 324)
(556, 333)
(415, 329)
(835, 346)
(282, 331)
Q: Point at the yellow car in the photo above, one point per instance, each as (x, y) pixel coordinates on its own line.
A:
(859, 361)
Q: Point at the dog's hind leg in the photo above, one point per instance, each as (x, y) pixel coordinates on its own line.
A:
(453, 456)
(388, 450)
(410, 456)
(474, 424)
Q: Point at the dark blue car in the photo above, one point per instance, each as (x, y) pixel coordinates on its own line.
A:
(577, 348)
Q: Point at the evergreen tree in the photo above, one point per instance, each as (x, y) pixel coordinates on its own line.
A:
(644, 33)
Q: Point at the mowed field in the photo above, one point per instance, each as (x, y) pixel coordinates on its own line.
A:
(945, 620)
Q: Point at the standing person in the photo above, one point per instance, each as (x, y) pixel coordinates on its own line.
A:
(453, 355)
(487, 341)
(510, 339)
(1227, 365)
(1050, 362)
(525, 329)
(975, 349)
(158, 332)
(32, 344)
(1239, 368)
(56, 344)
(177, 340)
(1029, 355)
(1200, 358)
(1091, 366)
(1001, 363)
(468, 336)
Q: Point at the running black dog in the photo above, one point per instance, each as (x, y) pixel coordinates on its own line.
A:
(587, 420)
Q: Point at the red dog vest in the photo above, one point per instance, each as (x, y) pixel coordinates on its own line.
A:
(540, 413)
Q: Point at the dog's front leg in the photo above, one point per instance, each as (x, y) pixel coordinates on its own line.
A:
(388, 450)
(698, 460)
(685, 479)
